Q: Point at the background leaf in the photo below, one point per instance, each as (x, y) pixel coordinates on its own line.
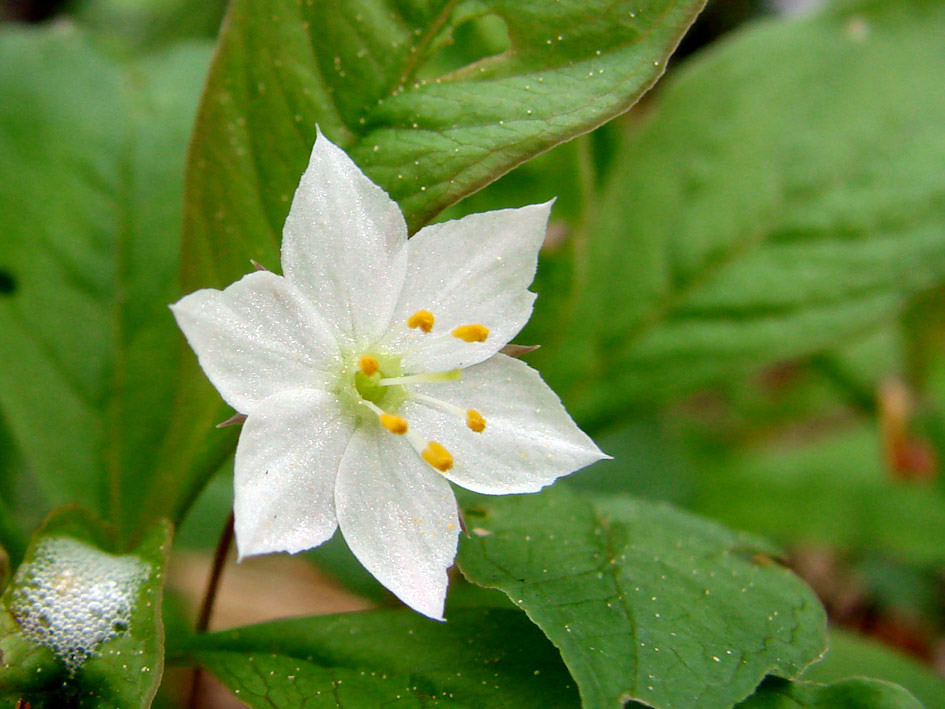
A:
(80, 626)
(833, 492)
(785, 195)
(645, 602)
(91, 182)
(143, 26)
(479, 658)
(850, 655)
(858, 693)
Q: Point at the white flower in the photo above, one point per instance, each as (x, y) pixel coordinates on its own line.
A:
(370, 375)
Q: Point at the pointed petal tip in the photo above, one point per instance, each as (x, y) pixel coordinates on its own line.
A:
(242, 542)
(423, 603)
(595, 455)
(248, 539)
(541, 210)
(325, 145)
(183, 309)
(538, 217)
(247, 546)
(428, 610)
(187, 304)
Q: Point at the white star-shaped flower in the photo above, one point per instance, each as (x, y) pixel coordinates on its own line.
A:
(371, 377)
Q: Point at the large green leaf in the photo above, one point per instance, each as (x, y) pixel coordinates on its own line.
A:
(479, 658)
(786, 194)
(91, 178)
(645, 602)
(371, 73)
(857, 693)
(80, 626)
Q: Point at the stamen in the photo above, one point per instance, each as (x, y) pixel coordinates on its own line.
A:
(471, 333)
(425, 378)
(475, 421)
(372, 406)
(422, 319)
(368, 365)
(394, 424)
(437, 456)
(431, 451)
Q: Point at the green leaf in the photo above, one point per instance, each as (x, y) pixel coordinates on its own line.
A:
(91, 184)
(832, 491)
(785, 195)
(858, 693)
(80, 626)
(645, 602)
(372, 74)
(477, 658)
(849, 655)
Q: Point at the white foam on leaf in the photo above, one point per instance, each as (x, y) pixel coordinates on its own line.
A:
(73, 597)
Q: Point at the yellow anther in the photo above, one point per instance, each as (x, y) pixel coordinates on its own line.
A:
(422, 319)
(437, 456)
(394, 424)
(471, 333)
(475, 421)
(368, 365)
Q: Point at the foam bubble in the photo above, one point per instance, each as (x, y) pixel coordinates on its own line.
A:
(72, 597)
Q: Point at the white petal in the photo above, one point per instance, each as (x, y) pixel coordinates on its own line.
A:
(529, 439)
(344, 244)
(398, 516)
(257, 337)
(475, 270)
(286, 464)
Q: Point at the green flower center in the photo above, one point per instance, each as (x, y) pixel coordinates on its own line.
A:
(370, 370)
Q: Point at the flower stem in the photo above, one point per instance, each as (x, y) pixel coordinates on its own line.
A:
(209, 596)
